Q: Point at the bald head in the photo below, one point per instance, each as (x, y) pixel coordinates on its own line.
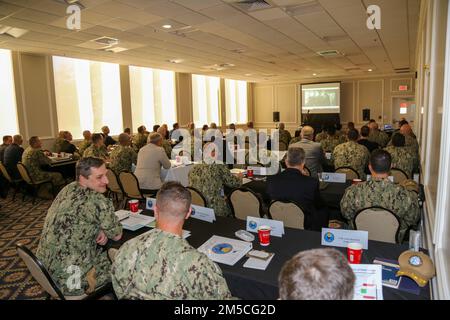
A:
(406, 130)
(307, 133)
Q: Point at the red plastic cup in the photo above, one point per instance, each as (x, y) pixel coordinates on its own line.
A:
(264, 235)
(134, 205)
(356, 181)
(249, 173)
(354, 252)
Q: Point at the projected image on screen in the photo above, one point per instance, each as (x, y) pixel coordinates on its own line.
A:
(321, 98)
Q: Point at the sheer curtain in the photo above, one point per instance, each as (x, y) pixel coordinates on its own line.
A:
(88, 96)
(236, 101)
(8, 107)
(153, 97)
(205, 99)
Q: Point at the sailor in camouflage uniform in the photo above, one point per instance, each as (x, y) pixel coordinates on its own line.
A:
(285, 136)
(140, 139)
(320, 136)
(351, 154)
(330, 143)
(59, 141)
(123, 156)
(377, 136)
(86, 143)
(165, 143)
(79, 219)
(33, 158)
(160, 264)
(402, 157)
(411, 143)
(380, 191)
(97, 148)
(210, 179)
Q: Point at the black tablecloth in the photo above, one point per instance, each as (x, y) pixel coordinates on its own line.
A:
(255, 284)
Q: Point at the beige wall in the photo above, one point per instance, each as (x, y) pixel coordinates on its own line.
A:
(375, 93)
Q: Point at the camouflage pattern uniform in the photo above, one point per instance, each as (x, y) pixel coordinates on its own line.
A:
(413, 145)
(122, 158)
(379, 137)
(71, 227)
(402, 158)
(295, 140)
(209, 179)
(342, 137)
(320, 136)
(351, 154)
(95, 152)
(158, 265)
(58, 144)
(285, 136)
(328, 145)
(139, 141)
(167, 148)
(383, 193)
(34, 159)
(83, 146)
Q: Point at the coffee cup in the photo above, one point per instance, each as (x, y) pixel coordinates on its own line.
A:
(354, 252)
(134, 205)
(249, 173)
(264, 235)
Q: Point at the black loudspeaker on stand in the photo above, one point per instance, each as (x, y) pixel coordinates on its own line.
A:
(276, 116)
(366, 114)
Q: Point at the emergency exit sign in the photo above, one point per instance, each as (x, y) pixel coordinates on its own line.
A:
(402, 88)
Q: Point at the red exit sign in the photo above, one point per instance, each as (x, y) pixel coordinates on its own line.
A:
(403, 105)
(402, 88)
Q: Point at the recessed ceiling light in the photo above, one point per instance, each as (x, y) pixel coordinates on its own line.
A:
(167, 26)
(370, 70)
(314, 74)
(248, 74)
(175, 60)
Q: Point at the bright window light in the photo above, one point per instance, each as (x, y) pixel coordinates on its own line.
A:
(205, 99)
(8, 107)
(236, 101)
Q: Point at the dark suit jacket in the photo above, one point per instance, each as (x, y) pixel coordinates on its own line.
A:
(68, 147)
(12, 156)
(370, 145)
(292, 185)
(109, 141)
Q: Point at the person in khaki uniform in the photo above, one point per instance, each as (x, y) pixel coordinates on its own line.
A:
(380, 191)
(160, 264)
(402, 156)
(33, 158)
(123, 156)
(86, 143)
(79, 219)
(97, 148)
(351, 154)
(140, 139)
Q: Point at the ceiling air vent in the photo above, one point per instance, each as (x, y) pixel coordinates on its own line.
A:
(107, 41)
(252, 5)
(402, 70)
(304, 8)
(329, 53)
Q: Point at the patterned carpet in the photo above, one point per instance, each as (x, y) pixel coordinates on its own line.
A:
(20, 222)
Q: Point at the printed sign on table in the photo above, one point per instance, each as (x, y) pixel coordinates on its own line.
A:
(277, 227)
(341, 238)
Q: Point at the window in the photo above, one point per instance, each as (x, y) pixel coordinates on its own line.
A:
(205, 99)
(88, 96)
(236, 101)
(152, 97)
(8, 108)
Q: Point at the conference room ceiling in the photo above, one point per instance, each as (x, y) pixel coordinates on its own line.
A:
(253, 40)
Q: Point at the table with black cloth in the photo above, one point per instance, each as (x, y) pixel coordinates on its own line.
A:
(65, 167)
(250, 284)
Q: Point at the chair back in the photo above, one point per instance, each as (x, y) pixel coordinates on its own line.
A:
(197, 197)
(113, 183)
(381, 223)
(289, 212)
(5, 172)
(349, 172)
(39, 272)
(399, 175)
(245, 202)
(24, 173)
(130, 185)
(307, 171)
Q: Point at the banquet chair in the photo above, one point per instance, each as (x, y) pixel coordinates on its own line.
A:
(36, 185)
(289, 212)
(308, 172)
(381, 223)
(15, 183)
(42, 276)
(198, 198)
(349, 172)
(130, 187)
(399, 175)
(114, 187)
(244, 202)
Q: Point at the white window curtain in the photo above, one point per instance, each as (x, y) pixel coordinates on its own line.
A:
(88, 96)
(8, 107)
(205, 99)
(153, 97)
(236, 101)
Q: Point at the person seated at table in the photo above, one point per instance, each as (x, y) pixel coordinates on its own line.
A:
(402, 156)
(331, 141)
(380, 191)
(317, 274)
(140, 139)
(13, 155)
(213, 126)
(160, 264)
(68, 147)
(155, 128)
(59, 141)
(412, 144)
(292, 184)
(97, 148)
(364, 140)
(297, 137)
(79, 219)
(109, 141)
(165, 143)
(127, 131)
(175, 127)
(376, 135)
(7, 140)
(210, 180)
(351, 154)
(123, 156)
(149, 162)
(315, 156)
(86, 143)
(322, 134)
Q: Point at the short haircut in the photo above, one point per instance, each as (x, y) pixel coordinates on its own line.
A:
(17, 138)
(85, 165)
(141, 129)
(372, 121)
(281, 126)
(86, 132)
(154, 138)
(402, 122)
(380, 160)
(33, 140)
(318, 274)
(398, 140)
(331, 130)
(96, 137)
(123, 137)
(156, 127)
(353, 134)
(127, 130)
(307, 132)
(365, 130)
(6, 138)
(351, 125)
(175, 125)
(295, 156)
(173, 200)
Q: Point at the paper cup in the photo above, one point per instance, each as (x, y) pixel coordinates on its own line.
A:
(134, 205)
(249, 173)
(264, 235)
(354, 252)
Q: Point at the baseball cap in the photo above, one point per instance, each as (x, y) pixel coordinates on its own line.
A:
(417, 266)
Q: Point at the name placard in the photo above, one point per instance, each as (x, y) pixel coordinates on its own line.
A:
(341, 238)
(203, 213)
(334, 177)
(150, 203)
(258, 171)
(277, 227)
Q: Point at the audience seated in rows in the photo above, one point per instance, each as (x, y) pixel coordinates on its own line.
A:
(140, 139)
(165, 143)
(331, 141)
(123, 156)
(107, 138)
(86, 143)
(376, 135)
(364, 140)
(402, 156)
(97, 148)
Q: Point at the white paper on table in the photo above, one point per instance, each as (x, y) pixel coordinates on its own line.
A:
(225, 250)
(122, 214)
(368, 283)
(259, 264)
(237, 171)
(186, 234)
(136, 221)
(246, 180)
